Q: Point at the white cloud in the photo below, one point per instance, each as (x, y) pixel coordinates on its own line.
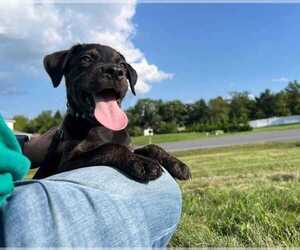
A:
(280, 79)
(29, 31)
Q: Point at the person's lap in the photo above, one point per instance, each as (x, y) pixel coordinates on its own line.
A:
(91, 207)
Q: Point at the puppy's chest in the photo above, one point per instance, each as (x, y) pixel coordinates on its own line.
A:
(104, 135)
(97, 136)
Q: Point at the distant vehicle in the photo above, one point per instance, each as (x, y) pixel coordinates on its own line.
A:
(19, 134)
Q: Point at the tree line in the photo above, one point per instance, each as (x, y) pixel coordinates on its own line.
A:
(228, 114)
(40, 124)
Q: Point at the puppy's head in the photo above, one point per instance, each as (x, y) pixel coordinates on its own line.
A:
(96, 80)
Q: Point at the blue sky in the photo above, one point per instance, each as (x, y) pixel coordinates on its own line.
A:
(211, 50)
(215, 49)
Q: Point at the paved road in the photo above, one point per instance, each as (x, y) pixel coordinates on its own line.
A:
(230, 140)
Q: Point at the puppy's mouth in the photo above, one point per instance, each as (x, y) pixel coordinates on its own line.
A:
(108, 111)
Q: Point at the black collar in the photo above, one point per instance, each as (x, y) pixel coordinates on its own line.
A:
(78, 114)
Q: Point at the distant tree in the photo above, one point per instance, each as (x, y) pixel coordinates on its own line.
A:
(57, 119)
(219, 111)
(133, 116)
(21, 122)
(173, 111)
(198, 112)
(148, 112)
(135, 130)
(293, 97)
(134, 125)
(281, 104)
(168, 127)
(241, 107)
(265, 104)
(41, 123)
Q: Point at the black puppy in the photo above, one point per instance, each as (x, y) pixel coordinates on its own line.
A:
(93, 131)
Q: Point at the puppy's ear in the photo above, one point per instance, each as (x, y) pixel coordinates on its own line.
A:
(55, 65)
(131, 76)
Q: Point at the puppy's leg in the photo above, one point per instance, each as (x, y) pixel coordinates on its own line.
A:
(36, 149)
(50, 168)
(138, 167)
(174, 166)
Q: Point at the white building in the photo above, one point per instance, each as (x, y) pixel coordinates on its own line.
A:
(274, 121)
(10, 123)
(148, 132)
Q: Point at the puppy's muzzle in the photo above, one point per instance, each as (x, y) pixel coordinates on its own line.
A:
(113, 71)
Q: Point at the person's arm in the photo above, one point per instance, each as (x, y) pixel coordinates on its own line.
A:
(13, 164)
(36, 148)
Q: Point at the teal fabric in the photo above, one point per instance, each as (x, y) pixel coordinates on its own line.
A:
(13, 164)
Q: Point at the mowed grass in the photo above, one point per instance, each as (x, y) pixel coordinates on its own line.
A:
(162, 138)
(279, 127)
(174, 137)
(242, 196)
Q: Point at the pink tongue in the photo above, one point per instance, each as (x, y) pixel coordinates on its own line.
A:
(109, 114)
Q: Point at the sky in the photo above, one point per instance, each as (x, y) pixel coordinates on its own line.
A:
(180, 51)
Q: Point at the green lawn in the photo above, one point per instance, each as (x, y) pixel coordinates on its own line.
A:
(279, 127)
(246, 196)
(174, 137)
(143, 140)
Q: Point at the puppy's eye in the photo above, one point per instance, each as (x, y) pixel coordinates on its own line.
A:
(86, 59)
(123, 65)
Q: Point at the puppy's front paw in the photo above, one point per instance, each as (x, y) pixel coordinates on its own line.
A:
(174, 166)
(144, 169)
(180, 170)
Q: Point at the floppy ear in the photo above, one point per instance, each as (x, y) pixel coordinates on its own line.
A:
(55, 65)
(131, 76)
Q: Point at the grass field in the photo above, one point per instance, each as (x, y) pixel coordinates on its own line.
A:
(143, 140)
(246, 196)
(278, 128)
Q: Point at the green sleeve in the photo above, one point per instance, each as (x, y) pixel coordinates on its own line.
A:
(13, 164)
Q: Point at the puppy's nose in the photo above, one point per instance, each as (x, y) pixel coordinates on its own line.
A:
(115, 72)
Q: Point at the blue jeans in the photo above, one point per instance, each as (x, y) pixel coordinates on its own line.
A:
(91, 207)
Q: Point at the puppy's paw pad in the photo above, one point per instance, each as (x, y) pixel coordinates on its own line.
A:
(153, 170)
(182, 171)
(144, 170)
(136, 168)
